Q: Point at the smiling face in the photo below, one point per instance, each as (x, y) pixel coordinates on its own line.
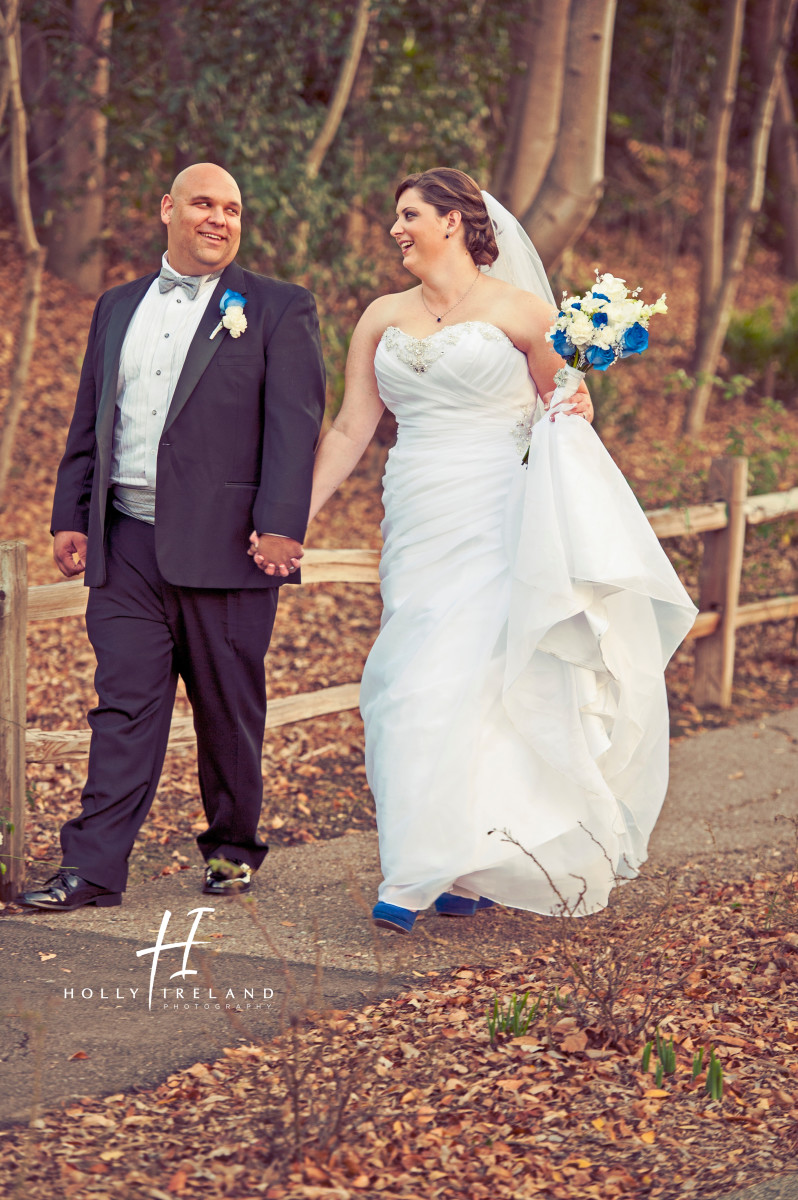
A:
(202, 214)
(420, 230)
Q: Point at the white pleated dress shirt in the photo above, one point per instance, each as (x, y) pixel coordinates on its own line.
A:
(153, 353)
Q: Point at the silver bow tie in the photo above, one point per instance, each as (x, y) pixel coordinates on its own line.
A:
(167, 281)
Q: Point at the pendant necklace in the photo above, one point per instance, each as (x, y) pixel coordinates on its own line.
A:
(448, 310)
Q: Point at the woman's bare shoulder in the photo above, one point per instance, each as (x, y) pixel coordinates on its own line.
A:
(522, 315)
(387, 310)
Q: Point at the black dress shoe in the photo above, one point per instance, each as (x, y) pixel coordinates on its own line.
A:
(66, 891)
(230, 878)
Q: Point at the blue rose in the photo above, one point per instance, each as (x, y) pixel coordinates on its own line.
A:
(231, 298)
(599, 319)
(600, 296)
(562, 345)
(576, 304)
(599, 358)
(634, 340)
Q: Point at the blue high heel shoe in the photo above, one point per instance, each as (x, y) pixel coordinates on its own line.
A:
(391, 916)
(449, 905)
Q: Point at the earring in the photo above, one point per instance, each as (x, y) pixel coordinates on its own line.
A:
(447, 235)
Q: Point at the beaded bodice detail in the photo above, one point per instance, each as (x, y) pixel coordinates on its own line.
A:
(458, 390)
(420, 353)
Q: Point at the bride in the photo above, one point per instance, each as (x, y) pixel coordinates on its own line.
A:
(514, 704)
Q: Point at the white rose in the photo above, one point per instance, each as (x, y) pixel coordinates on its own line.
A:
(624, 313)
(234, 320)
(581, 330)
(611, 286)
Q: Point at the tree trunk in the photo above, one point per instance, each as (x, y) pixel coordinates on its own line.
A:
(785, 174)
(34, 253)
(713, 216)
(783, 156)
(343, 88)
(335, 114)
(356, 224)
(76, 251)
(534, 104)
(574, 182)
(711, 343)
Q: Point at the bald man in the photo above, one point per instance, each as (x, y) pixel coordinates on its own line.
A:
(195, 424)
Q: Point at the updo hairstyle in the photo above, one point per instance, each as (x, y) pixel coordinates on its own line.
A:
(447, 189)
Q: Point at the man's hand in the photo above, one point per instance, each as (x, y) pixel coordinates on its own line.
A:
(274, 555)
(69, 545)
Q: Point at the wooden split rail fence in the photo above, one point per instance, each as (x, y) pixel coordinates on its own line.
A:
(722, 522)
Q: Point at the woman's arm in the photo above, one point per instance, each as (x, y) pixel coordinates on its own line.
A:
(532, 319)
(342, 446)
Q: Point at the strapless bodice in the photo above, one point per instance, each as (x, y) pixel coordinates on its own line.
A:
(464, 381)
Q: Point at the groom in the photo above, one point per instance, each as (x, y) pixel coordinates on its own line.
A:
(187, 435)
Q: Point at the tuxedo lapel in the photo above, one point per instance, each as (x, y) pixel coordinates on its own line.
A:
(203, 346)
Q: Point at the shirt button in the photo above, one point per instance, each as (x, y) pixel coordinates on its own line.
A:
(166, 335)
(157, 372)
(155, 412)
(179, 301)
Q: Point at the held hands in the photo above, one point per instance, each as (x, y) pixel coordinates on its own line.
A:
(273, 554)
(69, 545)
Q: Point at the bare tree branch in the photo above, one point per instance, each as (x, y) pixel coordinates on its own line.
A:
(343, 88)
(711, 344)
(713, 217)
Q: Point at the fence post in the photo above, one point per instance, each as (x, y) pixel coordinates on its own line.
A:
(721, 568)
(13, 620)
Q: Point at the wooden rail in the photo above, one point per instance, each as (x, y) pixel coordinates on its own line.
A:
(721, 521)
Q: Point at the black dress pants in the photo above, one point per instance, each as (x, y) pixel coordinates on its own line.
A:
(145, 633)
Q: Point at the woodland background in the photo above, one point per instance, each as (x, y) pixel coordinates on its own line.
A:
(606, 127)
(652, 138)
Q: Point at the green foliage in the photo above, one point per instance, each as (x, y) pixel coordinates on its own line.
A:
(764, 345)
(770, 446)
(666, 1064)
(250, 88)
(666, 1052)
(713, 1084)
(518, 1015)
(665, 52)
(698, 1059)
(666, 1057)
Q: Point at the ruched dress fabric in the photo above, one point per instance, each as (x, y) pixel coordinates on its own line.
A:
(514, 702)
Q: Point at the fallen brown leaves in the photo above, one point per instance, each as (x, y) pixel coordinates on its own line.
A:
(315, 783)
(408, 1098)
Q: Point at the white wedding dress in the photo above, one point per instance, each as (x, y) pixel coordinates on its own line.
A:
(514, 703)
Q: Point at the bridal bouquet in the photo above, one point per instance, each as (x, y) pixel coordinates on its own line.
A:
(608, 323)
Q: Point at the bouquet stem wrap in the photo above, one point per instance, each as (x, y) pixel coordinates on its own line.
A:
(568, 380)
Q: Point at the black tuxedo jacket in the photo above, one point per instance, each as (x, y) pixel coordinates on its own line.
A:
(236, 453)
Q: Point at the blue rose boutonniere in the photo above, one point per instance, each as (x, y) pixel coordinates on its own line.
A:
(231, 306)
